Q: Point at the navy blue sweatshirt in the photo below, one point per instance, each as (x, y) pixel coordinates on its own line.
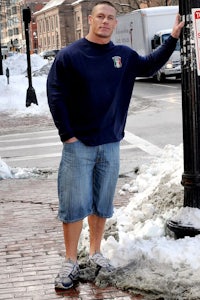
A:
(89, 88)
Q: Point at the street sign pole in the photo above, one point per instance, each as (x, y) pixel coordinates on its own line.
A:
(190, 115)
(1, 60)
(30, 96)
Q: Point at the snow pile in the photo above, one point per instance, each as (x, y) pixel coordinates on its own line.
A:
(13, 95)
(17, 64)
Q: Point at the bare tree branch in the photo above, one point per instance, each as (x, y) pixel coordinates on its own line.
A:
(124, 6)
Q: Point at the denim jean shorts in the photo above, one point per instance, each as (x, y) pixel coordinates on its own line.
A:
(87, 180)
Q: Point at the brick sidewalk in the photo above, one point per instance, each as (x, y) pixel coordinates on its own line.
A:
(31, 244)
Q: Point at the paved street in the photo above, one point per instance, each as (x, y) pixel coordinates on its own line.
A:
(31, 241)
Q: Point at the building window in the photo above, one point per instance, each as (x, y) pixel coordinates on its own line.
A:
(40, 29)
(52, 23)
(43, 26)
(56, 21)
(10, 32)
(14, 10)
(47, 25)
(10, 22)
(15, 20)
(16, 30)
(78, 34)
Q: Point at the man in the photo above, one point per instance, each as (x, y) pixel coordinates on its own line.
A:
(89, 89)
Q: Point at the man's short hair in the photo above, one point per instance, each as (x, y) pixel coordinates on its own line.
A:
(105, 3)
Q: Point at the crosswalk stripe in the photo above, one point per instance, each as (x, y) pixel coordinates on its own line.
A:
(31, 157)
(142, 144)
(27, 133)
(29, 139)
(30, 146)
(132, 140)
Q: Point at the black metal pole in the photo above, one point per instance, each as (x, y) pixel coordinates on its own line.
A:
(191, 118)
(7, 75)
(1, 58)
(30, 96)
(191, 112)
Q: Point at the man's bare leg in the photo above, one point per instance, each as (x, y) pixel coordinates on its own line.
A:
(96, 225)
(72, 233)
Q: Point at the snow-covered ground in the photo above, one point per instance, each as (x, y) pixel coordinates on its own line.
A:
(156, 262)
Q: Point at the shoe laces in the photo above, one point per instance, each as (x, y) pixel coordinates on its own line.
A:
(68, 267)
(100, 260)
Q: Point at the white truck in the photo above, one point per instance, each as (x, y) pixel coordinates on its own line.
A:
(146, 29)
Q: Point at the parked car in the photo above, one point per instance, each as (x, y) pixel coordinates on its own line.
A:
(49, 54)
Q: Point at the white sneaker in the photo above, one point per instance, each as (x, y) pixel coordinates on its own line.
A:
(100, 262)
(68, 274)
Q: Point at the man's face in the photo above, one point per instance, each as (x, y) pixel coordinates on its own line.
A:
(103, 20)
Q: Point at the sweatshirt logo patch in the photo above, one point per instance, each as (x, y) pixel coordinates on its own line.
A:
(117, 61)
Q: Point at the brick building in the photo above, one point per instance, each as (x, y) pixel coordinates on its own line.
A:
(11, 26)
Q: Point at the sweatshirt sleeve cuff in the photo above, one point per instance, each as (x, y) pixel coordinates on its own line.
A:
(65, 136)
(173, 39)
